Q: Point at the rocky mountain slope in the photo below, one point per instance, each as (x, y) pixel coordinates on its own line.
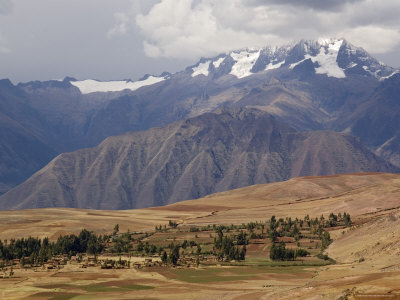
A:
(189, 159)
(377, 120)
(23, 149)
(309, 85)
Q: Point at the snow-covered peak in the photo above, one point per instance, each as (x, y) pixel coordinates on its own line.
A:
(246, 62)
(328, 41)
(91, 86)
(327, 59)
(332, 57)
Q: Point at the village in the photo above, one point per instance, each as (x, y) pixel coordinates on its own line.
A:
(177, 246)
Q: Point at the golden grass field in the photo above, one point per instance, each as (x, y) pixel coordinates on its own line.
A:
(367, 255)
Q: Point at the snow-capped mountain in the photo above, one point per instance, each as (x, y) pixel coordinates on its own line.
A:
(309, 85)
(332, 57)
(91, 86)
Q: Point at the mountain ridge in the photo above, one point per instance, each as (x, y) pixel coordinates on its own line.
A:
(349, 58)
(189, 159)
(323, 52)
(63, 119)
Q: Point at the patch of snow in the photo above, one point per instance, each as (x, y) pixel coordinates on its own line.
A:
(386, 77)
(245, 61)
(351, 66)
(201, 69)
(295, 64)
(328, 41)
(271, 66)
(91, 86)
(327, 60)
(351, 51)
(218, 62)
(347, 130)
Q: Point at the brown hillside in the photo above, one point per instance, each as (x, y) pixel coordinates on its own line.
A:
(362, 195)
(210, 153)
(366, 254)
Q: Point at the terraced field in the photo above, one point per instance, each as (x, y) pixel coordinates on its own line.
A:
(366, 255)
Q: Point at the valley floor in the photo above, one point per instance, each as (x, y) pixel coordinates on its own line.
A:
(216, 282)
(367, 255)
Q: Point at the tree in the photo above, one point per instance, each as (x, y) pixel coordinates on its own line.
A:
(290, 254)
(274, 252)
(302, 252)
(273, 235)
(164, 258)
(241, 238)
(174, 255)
(194, 229)
(272, 223)
(140, 246)
(326, 240)
(279, 252)
(94, 245)
(295, 231)
(22, 262)
(347, 219)
(116, 229)
(242, 255)
(172, 224)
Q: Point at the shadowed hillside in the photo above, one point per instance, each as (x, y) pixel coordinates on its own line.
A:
(210, 153)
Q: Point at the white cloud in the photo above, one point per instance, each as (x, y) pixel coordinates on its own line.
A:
(151, 50)
(376, 40)
(180, 28)
(193, 28)
(125, 21)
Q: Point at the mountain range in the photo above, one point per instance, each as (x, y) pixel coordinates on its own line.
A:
(189, 159)
(307, 86)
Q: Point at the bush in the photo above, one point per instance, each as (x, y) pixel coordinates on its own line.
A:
(279, 252)
(323, 256)
(193, 229)
(302, 252)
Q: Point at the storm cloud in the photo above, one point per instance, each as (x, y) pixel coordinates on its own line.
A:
(311, 4)
(119, 39)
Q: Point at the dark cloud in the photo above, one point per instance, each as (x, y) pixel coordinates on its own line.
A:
(312, 4)
(107, 40)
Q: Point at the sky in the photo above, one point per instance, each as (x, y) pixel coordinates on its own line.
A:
(126, 39)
